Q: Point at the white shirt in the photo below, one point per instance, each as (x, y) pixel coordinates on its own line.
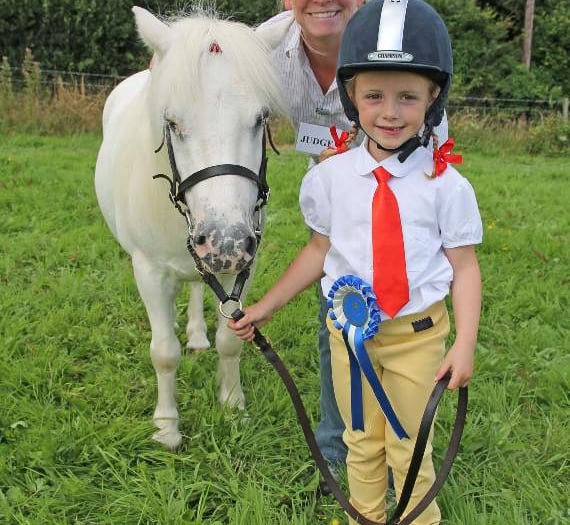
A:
(336, 201)
(301, 89)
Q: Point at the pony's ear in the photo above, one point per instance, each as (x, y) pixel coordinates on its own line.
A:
(273, 32)
(154, 33)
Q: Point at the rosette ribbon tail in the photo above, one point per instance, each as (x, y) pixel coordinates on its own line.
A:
(354, 338)
(356, 409)
(354, 311)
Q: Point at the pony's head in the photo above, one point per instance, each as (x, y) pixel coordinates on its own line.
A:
(212, 87)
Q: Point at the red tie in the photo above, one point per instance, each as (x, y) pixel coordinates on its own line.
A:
(390, 278)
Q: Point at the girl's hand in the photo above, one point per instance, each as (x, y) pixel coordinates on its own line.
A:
(305, 269)
(255, 313)
(459, 362)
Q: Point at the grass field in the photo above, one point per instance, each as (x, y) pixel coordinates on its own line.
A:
(77, 387)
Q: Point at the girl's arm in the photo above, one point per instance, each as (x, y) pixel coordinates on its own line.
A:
(466, 301)
(305, 269)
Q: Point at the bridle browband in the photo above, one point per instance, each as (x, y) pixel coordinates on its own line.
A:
(178, 188)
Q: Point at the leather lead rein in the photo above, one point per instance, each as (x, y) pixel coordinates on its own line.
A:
(266, 349)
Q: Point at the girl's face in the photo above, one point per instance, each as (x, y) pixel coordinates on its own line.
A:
(391, 106)
(323, 18)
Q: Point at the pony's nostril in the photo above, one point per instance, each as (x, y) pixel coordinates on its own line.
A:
(250, 245)
(200, 240)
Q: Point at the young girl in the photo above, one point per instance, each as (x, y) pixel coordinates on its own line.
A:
(394, 75)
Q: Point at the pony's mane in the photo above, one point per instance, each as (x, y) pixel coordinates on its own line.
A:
(194, 33)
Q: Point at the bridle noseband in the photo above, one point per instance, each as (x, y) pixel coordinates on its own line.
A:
(178, 188)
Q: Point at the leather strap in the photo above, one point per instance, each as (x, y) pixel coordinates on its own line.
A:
(214, 171)
(176, 194)
(179, 186)
(266, 349)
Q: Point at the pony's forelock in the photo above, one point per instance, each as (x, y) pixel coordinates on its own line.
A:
(240, 47)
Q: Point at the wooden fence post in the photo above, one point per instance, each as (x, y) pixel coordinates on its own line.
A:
(565, 102)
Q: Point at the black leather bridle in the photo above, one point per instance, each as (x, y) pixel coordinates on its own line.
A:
(178, 187)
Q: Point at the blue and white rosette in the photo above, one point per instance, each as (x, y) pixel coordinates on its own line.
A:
(354, 310)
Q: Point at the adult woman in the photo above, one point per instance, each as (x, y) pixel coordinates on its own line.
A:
(306, 61)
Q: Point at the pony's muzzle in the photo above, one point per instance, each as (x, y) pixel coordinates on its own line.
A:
(224, 250)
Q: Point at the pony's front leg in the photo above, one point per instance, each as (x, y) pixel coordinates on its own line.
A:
(229, 350)
(196, 327)
(158, 288)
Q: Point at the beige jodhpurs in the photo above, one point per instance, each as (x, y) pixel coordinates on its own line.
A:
(406, 362)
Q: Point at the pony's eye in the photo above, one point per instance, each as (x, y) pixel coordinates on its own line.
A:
(261, 118)
(175, 128)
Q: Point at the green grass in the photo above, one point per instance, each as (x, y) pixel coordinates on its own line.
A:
(78, 389)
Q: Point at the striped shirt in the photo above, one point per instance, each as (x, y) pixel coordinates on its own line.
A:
(301, 89)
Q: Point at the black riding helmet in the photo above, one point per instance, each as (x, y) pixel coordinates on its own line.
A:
(404, 35)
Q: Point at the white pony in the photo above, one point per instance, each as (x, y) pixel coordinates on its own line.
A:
(207, 95)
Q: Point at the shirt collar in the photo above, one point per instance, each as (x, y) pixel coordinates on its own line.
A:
(293, 45)
(420, 159)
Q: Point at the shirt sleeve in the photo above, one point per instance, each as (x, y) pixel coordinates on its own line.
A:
(315, 204)
(459, 218)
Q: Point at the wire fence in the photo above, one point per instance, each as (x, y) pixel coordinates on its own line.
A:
(89, 83)
(520, 109)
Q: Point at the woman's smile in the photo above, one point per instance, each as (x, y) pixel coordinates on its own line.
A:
(324, 14)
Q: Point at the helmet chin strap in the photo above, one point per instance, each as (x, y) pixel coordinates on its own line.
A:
(408, 147)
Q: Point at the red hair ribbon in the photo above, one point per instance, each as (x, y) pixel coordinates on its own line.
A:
(339, 142)
(442, 156)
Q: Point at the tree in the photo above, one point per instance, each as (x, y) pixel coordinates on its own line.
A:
(484, 55)
(527, 35)
(551, 60)
(92, 36)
